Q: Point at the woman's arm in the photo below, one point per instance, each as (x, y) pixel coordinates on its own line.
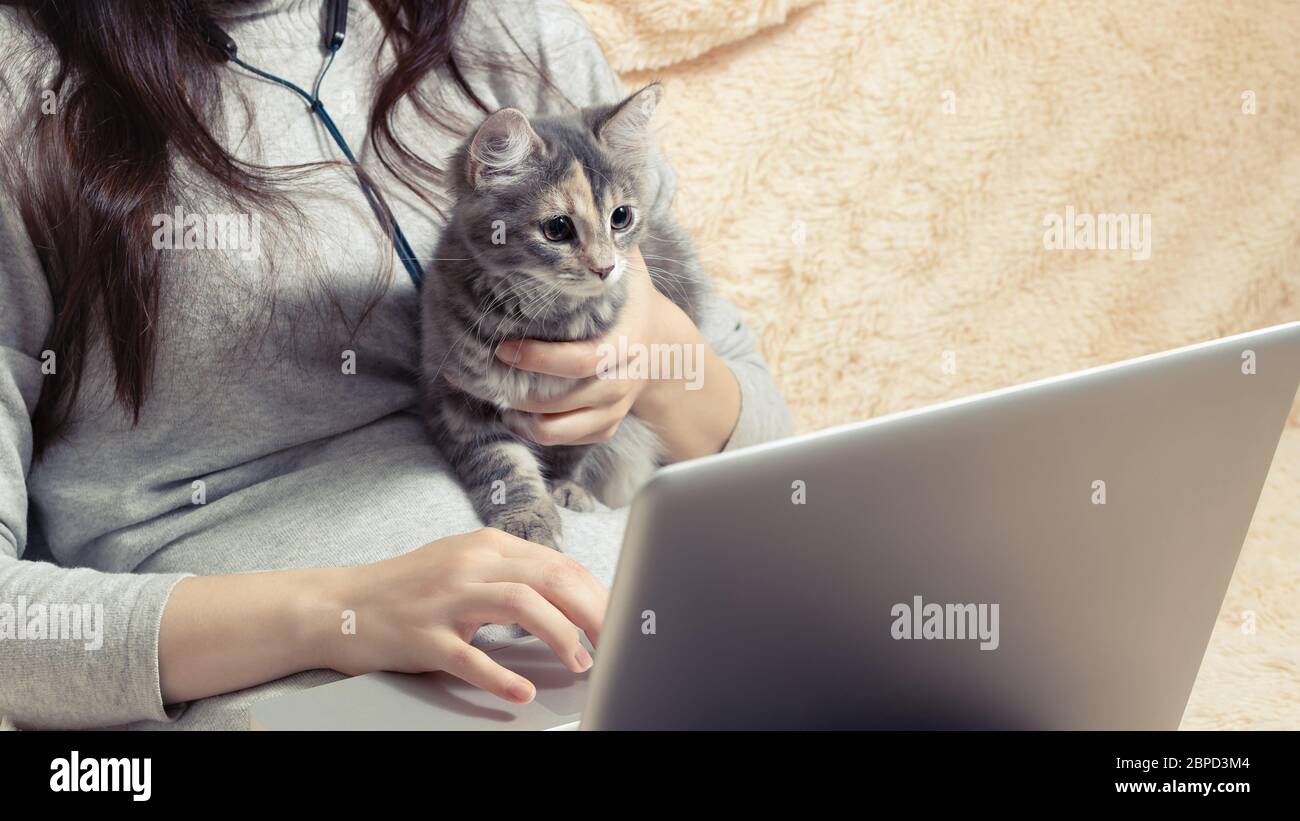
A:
(696, 413)
(414, 613)
(106, 670)
(224, 633)
(764, 414)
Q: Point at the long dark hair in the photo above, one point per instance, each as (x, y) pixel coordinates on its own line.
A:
(136, 85)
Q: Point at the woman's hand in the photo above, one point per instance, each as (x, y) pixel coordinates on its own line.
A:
(413, 613)
(693, 405)
(418, 612)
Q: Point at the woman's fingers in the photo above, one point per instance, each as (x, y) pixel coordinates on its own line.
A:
(559, 579)
(574, 360)
(573, 590)
(591, 429)
(472, 665)
(588, 393)
(519, 603)
(565, 428)
(584, 426)
(603, 435)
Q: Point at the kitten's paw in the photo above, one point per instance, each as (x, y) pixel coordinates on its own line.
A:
(539, 523)
(573, 496)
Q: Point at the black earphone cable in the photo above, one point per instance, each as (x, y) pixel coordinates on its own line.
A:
(329, 61)
(226, 46)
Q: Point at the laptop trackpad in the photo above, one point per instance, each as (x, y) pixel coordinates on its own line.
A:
(434, 701)
(560, 693)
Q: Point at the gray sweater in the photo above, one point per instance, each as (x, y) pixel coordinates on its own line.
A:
(255, 450)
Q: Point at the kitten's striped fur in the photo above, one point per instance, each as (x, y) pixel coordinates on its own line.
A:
(498, 277)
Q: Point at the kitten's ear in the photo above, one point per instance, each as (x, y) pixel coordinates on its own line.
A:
(625, 128)
(502, 148)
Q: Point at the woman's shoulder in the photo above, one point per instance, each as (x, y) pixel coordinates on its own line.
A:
(534, 25)
(547, 36)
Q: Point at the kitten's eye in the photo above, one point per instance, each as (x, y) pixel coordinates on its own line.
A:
(557, 229)
(621, 218)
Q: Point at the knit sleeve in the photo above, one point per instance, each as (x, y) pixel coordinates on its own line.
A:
(78, 648)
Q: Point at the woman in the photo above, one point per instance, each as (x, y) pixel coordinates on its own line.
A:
(215, 438)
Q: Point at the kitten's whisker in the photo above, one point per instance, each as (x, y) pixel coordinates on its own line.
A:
(685, 241)
(557, 290)
(502, 331)
(495, 302)
(545, 310)
(671, 280)
(681, 262)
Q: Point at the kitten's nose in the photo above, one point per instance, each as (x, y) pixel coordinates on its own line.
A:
(602, 272)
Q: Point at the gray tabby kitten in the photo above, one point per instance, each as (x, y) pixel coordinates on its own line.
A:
(536, 247)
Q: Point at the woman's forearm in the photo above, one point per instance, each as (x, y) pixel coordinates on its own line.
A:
(412, 613)
(225, 633)
(695, 413)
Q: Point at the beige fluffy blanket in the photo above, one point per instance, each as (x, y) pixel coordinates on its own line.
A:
(868, 180)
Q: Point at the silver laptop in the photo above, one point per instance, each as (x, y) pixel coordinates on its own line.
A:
(1049, 556)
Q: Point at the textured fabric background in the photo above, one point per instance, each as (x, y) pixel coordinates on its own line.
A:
(868, 181)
